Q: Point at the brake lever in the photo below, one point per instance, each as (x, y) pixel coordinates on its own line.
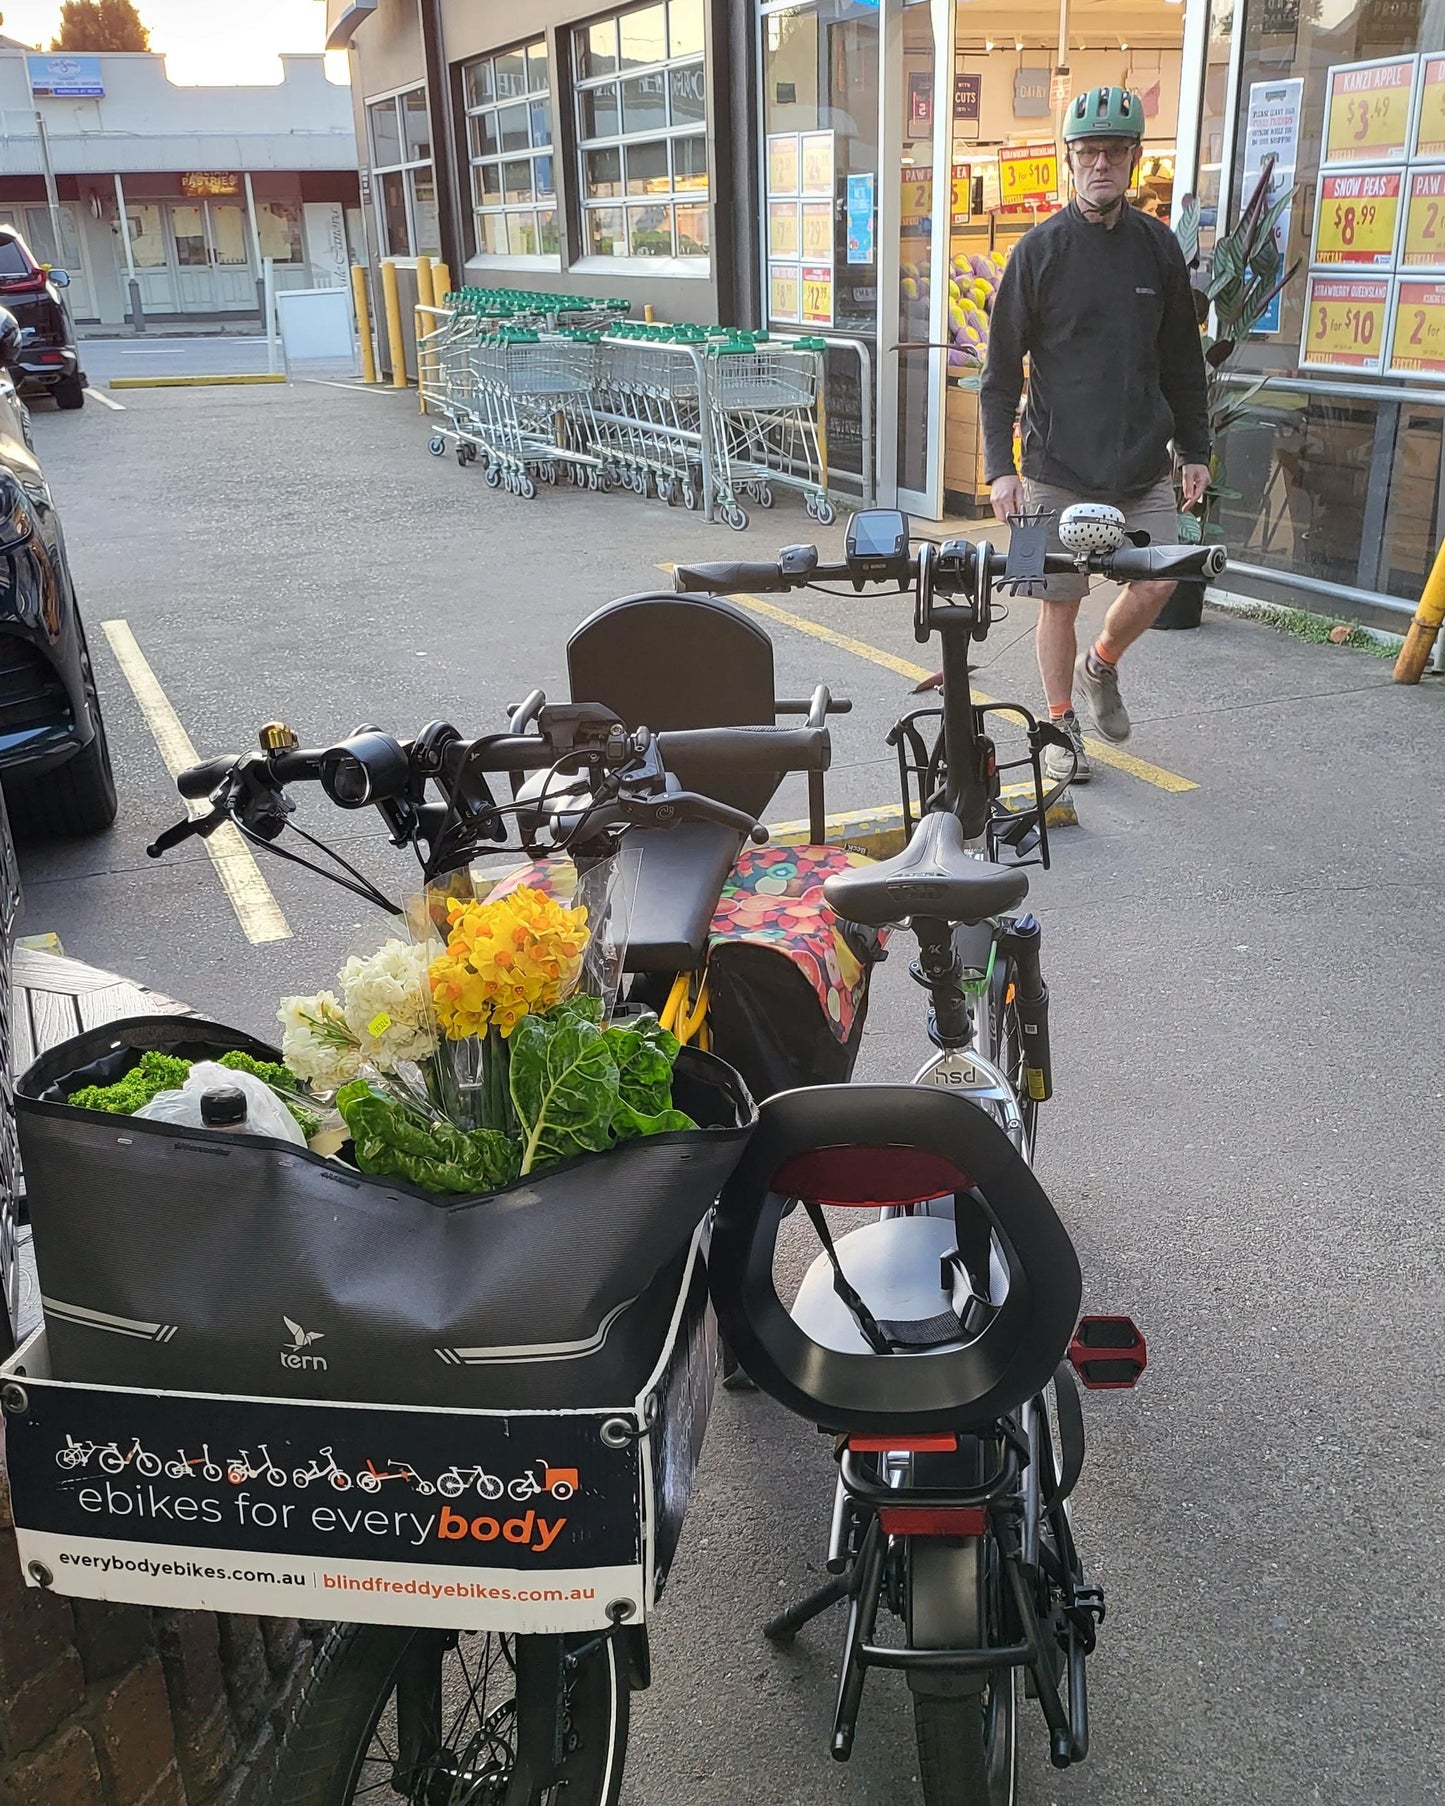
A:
(202, 825)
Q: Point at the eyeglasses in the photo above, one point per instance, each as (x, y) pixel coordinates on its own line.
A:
(1112, 150)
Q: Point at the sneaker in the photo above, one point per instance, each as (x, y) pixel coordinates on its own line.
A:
(1057, 761)
(1105, 703)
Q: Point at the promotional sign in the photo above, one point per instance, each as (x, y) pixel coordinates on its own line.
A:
(785, 292)
(860, 218)
(818, 295)
(967, 95)
(65, 77)
(785, 163)
(1028, 175)
(1357, 217)
(818, 164)
(1424, 242)
(1417, 341)
(801, 229)
(1367, 111)
(817, 231)
(196, 182)
(1430, 120)
(1271, 127)
(389, 1515)
(784, 235)
(920, 104)
(917, 196)
(962, 200)
(1345, 323)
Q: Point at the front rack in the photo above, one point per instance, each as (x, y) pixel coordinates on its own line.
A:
(1018, 822)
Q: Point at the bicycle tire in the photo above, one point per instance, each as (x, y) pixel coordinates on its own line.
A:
(325, 1759)
(967, 1741)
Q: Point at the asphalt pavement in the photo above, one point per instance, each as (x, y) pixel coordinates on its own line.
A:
(1246, 1023)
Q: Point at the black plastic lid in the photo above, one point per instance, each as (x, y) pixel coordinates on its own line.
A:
(223, 1108)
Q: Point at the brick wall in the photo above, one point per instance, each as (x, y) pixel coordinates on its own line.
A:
(119, 1705)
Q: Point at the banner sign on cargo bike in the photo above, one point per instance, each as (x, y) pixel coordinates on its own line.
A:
(539, 1521)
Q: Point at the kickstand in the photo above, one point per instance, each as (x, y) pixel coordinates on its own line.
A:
(786, 1625)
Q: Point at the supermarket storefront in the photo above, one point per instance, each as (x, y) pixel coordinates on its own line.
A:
(906, 147)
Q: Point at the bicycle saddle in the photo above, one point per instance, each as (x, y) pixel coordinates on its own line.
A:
(935, 875)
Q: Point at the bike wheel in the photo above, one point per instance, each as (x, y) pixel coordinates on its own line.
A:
(967, 1741)
(459, 1699)
(149, 1465)
(490, 1487)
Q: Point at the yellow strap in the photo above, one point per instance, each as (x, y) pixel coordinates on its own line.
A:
(676, 1004)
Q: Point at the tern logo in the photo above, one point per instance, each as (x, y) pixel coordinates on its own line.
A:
(295, 1357)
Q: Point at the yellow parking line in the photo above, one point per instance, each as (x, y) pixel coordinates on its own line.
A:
(192, 382)
(1100, 751)
(256, 909)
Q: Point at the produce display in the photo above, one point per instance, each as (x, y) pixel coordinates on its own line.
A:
(973, 281)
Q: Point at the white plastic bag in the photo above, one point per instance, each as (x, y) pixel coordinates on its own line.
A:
(265, 1113)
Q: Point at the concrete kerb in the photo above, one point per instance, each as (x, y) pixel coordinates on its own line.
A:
(880, 833)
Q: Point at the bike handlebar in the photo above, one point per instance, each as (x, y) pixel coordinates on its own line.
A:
(1128, 563)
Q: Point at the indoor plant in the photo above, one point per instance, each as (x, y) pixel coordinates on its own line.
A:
(1245, 276)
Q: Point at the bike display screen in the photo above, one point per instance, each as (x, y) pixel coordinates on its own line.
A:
(877, 546)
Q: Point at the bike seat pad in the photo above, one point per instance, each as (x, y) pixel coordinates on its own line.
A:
(683, 871)
(935, 875)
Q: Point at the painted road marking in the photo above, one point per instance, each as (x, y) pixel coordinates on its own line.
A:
(323, 382)
(1102, 752)
(256, 909)
(105, 401)
(193, 382)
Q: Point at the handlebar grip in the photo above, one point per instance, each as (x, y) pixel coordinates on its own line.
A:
(1168, 561)
(727, 579)
(748, 750)
(198, 781)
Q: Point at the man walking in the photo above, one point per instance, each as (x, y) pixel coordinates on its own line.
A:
(1098, 298)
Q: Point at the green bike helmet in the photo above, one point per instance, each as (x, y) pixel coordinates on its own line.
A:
(1105, 113)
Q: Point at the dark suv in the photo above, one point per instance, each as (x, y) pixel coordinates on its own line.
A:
(49, 362)
(54, 762)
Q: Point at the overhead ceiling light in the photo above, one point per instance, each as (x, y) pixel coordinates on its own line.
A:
(1018, 43)
(988, 43)
(1123, 44)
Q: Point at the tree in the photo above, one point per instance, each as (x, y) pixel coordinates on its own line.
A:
(91, 25)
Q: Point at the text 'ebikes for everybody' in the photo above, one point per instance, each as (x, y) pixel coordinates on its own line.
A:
(527, 1529)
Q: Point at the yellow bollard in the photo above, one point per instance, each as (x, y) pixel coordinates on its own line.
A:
(363, 322)
(423, 282)
(1425, 628)
(419, 328)
(441, 283)
(395, 342)
(647, 314)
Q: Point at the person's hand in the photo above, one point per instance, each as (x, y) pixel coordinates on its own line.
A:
(1007, 496)
(1193, 481)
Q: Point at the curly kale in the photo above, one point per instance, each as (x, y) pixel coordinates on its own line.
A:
(281, 1081)
(155, 1072)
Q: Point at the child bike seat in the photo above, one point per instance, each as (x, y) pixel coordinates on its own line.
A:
(935, 875)
(869, 1146)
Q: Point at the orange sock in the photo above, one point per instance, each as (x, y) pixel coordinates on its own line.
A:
(1057, 710)
(1104, 653)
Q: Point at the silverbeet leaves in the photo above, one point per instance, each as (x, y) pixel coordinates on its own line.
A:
(576, 1088)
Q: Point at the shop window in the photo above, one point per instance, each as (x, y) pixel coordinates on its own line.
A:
(402, 176)
(642, 132)
(509, 142)
(279, 225)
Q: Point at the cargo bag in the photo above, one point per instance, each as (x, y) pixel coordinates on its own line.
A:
(236, 1264)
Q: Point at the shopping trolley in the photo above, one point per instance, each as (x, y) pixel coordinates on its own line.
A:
(648, 418)
(533, 402)
(763, 403)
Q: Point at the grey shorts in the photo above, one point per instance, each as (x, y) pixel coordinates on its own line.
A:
(1154, 512)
